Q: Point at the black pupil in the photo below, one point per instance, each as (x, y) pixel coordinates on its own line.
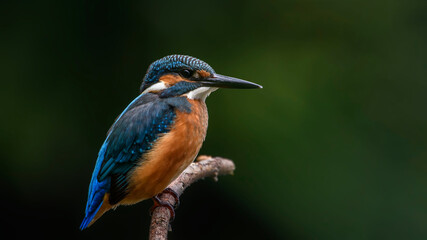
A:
(186, 73)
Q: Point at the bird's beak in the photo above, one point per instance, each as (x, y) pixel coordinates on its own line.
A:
(222, 81)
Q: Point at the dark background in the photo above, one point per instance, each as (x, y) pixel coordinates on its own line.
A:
(333, 147)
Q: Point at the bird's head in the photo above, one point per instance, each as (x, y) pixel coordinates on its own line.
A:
(177, 75)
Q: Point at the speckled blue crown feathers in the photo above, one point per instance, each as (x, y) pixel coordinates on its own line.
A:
(172, 63)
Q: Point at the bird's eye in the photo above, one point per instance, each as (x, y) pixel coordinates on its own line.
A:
(186, 73)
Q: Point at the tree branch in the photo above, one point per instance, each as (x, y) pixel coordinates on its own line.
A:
(205, 166)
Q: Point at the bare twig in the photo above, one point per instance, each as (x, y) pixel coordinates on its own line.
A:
(204, 166)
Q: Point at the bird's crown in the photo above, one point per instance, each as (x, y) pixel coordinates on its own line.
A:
(173, 64)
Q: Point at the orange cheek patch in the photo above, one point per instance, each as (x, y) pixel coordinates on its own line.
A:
(203, 73)
(171, 79)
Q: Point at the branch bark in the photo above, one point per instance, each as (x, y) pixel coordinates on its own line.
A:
(205, 166)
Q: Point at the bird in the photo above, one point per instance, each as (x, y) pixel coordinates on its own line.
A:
(157, 135)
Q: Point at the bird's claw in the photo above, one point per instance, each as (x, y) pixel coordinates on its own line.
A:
(160, 203)
(174, 195)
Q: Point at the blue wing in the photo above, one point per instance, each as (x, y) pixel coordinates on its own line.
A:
(132, 134)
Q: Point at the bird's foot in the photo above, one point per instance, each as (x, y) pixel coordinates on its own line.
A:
(174, 195)
(160, 203)
(203, 158)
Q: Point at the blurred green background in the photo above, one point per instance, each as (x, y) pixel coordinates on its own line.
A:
(333, 147)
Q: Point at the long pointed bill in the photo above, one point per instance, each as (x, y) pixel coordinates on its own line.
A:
(222, 81)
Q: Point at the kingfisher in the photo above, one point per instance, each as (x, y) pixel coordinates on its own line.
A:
(157, 136)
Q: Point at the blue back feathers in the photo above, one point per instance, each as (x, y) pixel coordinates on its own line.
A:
(172, 63)
(133, 134)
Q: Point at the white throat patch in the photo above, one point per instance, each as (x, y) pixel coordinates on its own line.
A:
(201, 93)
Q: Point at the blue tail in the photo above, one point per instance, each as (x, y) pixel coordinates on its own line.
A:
(97, 191)
(96, 194)
(86, 222)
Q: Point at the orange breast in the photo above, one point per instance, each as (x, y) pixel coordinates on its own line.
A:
(171, 154)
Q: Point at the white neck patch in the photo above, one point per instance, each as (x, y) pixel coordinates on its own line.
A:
(156, 87)
(201, 93)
